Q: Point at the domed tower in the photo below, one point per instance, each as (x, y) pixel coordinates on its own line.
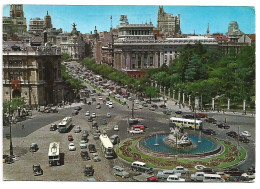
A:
(47, 21)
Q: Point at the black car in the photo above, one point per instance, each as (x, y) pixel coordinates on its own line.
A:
(107, 99)
(148, 101)
(251, 170)
(243, 139)
(84, 155)
(85, 138)
(53, 127)
(154, 106)
(211, 120)
(162, 106)
(223, 126)
(78, 108)
(188, 116)
(88, 170)
(178, 112)
(75, 112)
(232, 134)
(92, 148)
(234, 172)
(37, 170)
(34, 147)
(209, 132)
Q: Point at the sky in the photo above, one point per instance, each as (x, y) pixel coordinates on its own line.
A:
(192, 17)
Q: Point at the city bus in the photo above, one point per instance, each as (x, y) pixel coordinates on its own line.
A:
(65, 124)
(186, 123)
(106, 146)
(54, 153)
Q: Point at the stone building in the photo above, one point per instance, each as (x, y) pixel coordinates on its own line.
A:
(72, 44)
(33, 71)
(47, 21)
(15, 23)
(137, 50)
(167, 23)
(36, 26)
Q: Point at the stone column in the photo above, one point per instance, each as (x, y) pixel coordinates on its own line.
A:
(173, 94)
(179, 97)
(213, 104)
(189, 100)
(142, 60)
(183, 98)
(169, 92)
(127, 61)
(244, 105)
(228, 104)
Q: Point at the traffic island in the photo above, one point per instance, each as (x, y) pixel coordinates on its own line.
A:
(230, 156)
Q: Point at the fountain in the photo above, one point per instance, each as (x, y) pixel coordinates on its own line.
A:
(156, 141)
(177, 138)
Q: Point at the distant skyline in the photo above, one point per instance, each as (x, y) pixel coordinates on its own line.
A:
(192, 17)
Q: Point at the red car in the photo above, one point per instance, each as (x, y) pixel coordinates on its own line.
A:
(211, 120)
(70, 138)
(202, 115)
(152, 179)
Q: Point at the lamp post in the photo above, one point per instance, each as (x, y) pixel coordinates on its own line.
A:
(213, 104)
(244, 106)
(195, 107)
(183, 97)
(173, 95)
(228, 104)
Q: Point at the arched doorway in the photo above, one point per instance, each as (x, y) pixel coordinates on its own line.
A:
(16, 94)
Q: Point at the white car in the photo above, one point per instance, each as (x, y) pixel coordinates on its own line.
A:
(83, 144)
(100, 98)
(107, 103)
(246, 133)
(175, 178)
(72, 147)
(116, 128)
(117, 96)
(108, 115)
(87, 113)
(110, 106)
(140, 107)
(136, 101)
(136, 131)
(93, 115)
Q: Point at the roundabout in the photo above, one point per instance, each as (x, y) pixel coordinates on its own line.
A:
(221, 153)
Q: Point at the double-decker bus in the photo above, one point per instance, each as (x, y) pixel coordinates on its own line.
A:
(106, 146)
(186, 123)
(54, 153)
(65, 124)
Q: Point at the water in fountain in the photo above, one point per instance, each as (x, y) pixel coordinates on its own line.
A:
(156, 141)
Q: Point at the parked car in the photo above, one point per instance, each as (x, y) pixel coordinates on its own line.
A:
(234, 172)
(208, 170)
(145, 105)
(180, 169)
(116, 128)
(178, 112)
(211, 120)
(119, 171)
(141, 167)
(115, 139)
(92, 148)
(152, 108)
(162, 106)
(34, 147)
(83, 144)
(96, 157)
(93, 115)
(243, 139)
(85, 133)
(100, 98)
(175, 178)
(246, 133)
(72, 147)
(108, 115)
(37, 170)
(251, 170)
(188, 116)
(232, 134)
(70, 138)
(84, 155)
(164, 174)
(90, 119)
(77, 129)
(104, 121)
(152, 179)
(223, 126)
(202, 115)
(110, 106)
(88, 170)
(78, 108)
(98, 106)
(75, 112)
(136, 131)
(53, 127)
(209, 132)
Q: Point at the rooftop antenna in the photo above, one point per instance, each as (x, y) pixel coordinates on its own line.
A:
(111, 22)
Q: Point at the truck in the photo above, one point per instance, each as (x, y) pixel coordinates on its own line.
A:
(64, 125)
(54, 154)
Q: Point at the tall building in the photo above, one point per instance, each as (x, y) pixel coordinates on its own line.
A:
(36, 25)
(137, 49)
(167, 23)
(33, 71)
(234, 33)
(16, 22)
(47, 21)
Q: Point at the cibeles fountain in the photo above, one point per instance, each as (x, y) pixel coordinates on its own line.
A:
(184, 143)
(177, 138)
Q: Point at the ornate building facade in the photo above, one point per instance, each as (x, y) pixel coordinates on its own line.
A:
(33, 71)
(15, 23)
(36, 26)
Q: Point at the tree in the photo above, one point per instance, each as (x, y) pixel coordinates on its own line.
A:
(152, 92)
(65, 57)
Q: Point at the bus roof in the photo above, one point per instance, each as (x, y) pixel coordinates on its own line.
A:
(105, 141)
(54, 149)
(183, 119)
(65, 120)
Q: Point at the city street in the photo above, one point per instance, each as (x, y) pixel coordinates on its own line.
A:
(36, 130)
